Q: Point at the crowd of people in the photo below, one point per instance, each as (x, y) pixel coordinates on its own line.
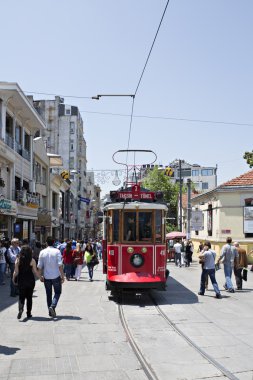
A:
(233, 257)
(51, 263)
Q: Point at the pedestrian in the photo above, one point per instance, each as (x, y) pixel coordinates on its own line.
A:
(68, 261)
(50, 264)
(23, 276)
(78, 261)
(188, 253)
(99, 249)
(12, 254)
(178, 249)
(242, 263)
(89, 255)
(36, 251)
(2, 262)
(229, 257)
(208, 269)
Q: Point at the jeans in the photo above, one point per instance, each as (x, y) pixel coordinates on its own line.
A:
(211, 273)
(2, 271)
(56, 284)
(68, 269)
(90, 269)
(228, 274)
(178, 258)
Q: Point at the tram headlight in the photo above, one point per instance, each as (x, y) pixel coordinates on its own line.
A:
(130, 250)
(137, 260)
(144, 250)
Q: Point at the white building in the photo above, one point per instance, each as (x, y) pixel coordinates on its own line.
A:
(19, 202)
(64, 135)
(204, 178)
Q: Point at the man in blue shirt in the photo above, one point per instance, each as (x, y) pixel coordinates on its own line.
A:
(208, 269)
(230, 256)
(50, 264)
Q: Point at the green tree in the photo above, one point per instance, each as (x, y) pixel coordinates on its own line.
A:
(156, 180)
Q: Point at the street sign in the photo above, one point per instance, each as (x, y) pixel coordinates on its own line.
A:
(197, 219)
(168, 171)
(85, 200)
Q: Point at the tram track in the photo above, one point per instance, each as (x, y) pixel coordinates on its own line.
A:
(146, 366)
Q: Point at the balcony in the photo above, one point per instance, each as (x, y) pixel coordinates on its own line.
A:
(26, 198)
(26, 154)
(9, 140)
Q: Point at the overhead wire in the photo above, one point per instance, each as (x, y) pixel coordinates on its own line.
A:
(172, 118)
(141, 76)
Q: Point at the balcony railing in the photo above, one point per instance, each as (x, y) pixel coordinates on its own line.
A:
(9, 140)
(27, 198)
(26, 154)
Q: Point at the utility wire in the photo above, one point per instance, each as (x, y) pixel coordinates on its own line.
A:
(65, 96)
(151, 48)
(172, 118)
(139, 82)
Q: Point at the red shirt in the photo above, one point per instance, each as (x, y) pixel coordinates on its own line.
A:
(67, 257)
(78, 255)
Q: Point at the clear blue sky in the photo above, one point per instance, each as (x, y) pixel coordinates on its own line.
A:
(200, 68)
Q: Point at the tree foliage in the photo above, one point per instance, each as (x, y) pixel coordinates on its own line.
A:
(156, 180)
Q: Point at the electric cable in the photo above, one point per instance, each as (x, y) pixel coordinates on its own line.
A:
(139, 82)
(172, 118)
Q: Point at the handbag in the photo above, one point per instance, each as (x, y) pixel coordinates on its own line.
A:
(245, 274)
(202, 260)
(94, 261)
(217, 266)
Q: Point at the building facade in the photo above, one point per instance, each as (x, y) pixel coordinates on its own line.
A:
(227, 211)
(19, 202)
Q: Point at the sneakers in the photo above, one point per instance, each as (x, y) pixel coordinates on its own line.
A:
(52, 312)
(218, 295)
(225, 287)
(29, 315)
(201, 294)
(231, 290)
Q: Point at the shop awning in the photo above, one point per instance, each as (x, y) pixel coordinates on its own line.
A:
(55, 160)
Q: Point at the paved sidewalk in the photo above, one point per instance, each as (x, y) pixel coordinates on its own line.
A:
(85, 341)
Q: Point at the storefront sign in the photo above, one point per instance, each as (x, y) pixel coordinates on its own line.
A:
(8, 207)
(248, 220)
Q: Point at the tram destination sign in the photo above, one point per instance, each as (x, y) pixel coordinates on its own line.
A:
(142, 195)
(135, 194)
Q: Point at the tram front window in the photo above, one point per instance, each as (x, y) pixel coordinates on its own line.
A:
(145, 226)
(130, 226)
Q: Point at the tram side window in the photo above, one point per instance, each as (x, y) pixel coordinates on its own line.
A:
(116, 225)
(145, 226)
(158, 226)
(130, 226)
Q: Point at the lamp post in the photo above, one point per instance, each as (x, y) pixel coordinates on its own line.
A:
(180, 196)
(189, 207)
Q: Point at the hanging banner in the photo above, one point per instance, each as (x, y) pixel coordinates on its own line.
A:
(197, 220)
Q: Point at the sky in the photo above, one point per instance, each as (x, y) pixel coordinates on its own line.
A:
(196, 92)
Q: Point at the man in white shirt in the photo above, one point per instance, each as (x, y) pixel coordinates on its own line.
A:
(178, 250)
(50, 264)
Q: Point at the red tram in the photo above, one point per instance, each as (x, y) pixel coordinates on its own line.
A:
(134, 249)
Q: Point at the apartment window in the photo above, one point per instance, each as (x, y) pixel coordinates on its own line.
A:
(9, 123)
(37, 172)
(54, 201)
(72, 127)
(71, 163)
(204, 185)
(43, 201)
(44, 176)
(185, 172)
(27, 142)
(18, 132)
(206, 172)
(72, 145)
(195, 173)
(67, 111)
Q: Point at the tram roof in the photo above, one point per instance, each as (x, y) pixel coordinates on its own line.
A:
(135, 206)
